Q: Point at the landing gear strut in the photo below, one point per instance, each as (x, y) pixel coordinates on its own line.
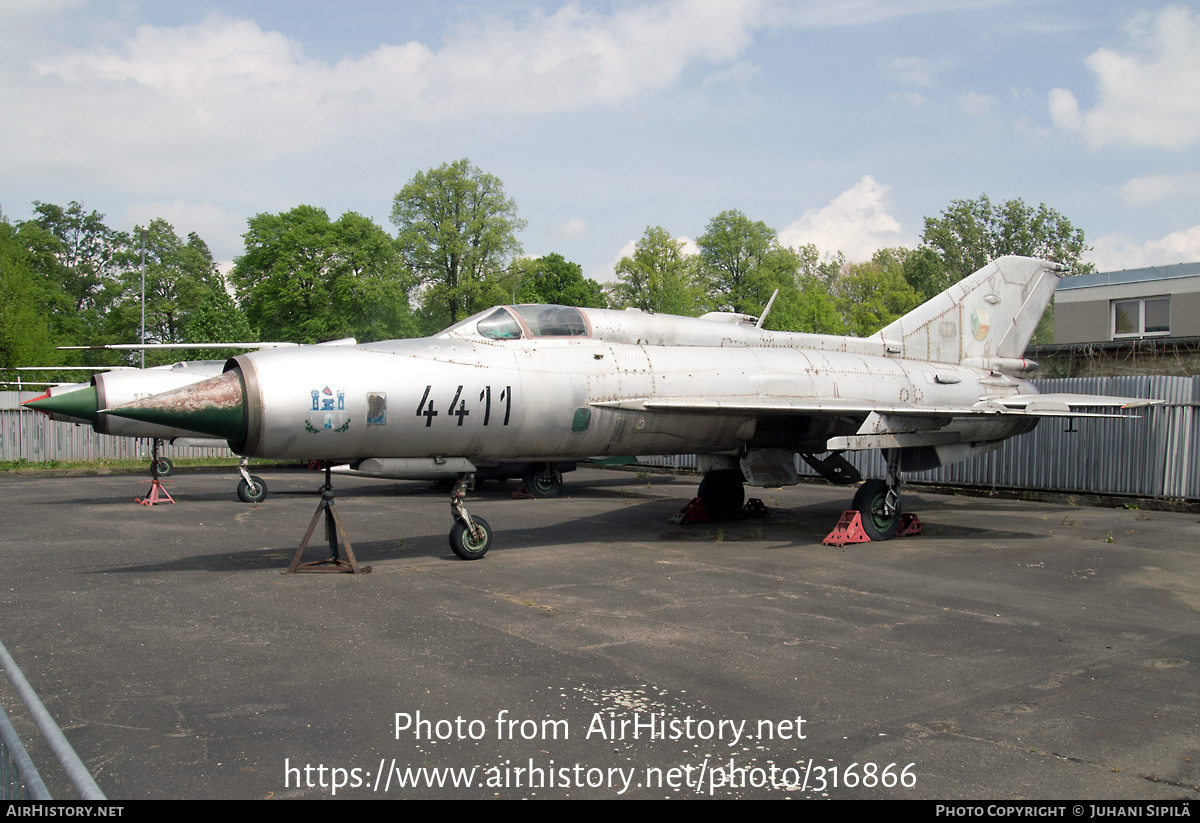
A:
(470, 537)
(878, 501)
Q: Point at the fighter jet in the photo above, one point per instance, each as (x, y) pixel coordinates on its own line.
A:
(550, 383)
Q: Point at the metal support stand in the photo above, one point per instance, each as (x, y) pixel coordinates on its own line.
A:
(158, 492)
(333, 534)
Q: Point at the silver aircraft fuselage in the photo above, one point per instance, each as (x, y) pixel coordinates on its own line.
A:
(628, 386)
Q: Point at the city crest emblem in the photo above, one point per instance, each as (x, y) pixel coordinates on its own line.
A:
(327, 412)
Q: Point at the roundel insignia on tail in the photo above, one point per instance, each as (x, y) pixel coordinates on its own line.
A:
(980, 325)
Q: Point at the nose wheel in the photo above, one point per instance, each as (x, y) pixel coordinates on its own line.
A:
(470, 537)
(251, 488)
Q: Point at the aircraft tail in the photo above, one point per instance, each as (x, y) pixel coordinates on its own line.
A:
(987, 317)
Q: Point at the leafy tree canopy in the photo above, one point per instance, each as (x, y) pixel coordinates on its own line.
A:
(871, 295)
(659, 277)
(971, 233)
(25, 329)
(306, 279)
(736, 256)
(457, 231)
(180, 277)
(554, 279)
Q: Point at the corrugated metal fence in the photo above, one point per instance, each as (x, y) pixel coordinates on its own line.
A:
(29, 435)
(1156, 455)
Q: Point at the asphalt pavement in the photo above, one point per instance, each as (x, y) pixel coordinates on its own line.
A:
(1014, 650)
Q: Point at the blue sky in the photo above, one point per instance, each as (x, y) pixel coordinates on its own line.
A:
(839, 123)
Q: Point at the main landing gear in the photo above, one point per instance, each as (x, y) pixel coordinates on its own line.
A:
(543, 480)
(875, 513)
(722, 493)
(470, 537)
(878, 501)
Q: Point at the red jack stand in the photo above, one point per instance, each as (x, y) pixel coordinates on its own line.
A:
(849, 529)
(523, 493)
(157, 494)
(157, 490)
(694, 511)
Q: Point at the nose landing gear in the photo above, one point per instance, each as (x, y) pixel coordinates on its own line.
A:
(470, 537)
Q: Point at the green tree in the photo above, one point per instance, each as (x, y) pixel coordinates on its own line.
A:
(180, 276)
(77, 257)
(305, 279)
(969, 234)
(26, 337)
(457, 233)
(659, 277)
(871, 295)
(737, 260)
(83, 247)
(554, 279)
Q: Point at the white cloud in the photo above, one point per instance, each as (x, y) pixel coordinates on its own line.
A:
(1149, 98)
(975, 104)
(739, 74)
(1117, 251)
(570, 230)
(1154, 187)
(856, 223)
(909, 98)
(163, 104)
(912, 71)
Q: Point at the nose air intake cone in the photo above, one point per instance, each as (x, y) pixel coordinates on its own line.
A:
(80, 404)
(216, 407)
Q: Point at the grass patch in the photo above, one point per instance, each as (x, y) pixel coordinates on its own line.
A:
(111, 463)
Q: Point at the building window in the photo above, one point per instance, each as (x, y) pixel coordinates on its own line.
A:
(1148, 317)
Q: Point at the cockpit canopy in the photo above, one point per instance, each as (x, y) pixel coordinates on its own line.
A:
(532, 321)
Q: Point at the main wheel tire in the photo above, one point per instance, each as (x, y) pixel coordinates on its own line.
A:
(466, 546)
(869, 502)
(252, 492)
(722, 494)
(165, 467)
(543, 480)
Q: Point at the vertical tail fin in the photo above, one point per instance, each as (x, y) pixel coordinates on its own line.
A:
(991, 314)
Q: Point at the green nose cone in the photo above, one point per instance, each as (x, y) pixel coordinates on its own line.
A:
(216, 407)
(80, 404)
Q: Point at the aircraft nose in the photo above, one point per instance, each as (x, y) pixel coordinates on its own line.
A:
(216, 407)
(81, 404)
